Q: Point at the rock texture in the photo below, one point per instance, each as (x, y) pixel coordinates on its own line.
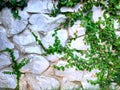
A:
(4, 41)
(79, 44)
(4, 61)
(37, 65)
(7, 81)
(49, 40)
(43, 22)
(35, 82)
(14, 26)
(39, 6)
(26, 42)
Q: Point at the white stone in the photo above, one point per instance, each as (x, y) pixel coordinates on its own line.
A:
(79, 44)
(69, 73)
(53, 57)
(4, 61)
(26, 42)
(4, 41)
(117, 33)
(76, 29)
(34, 82)
(69, 9)
(7, 81)
(49, 40)
(89, 76)
(116, 24)
(39, 6)
(37, 64)
(16, 54)
(32, 49)
(14, 26)
(97, 12)
(67, 85)
(42, 22)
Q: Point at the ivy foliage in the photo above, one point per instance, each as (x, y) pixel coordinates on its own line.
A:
(14, 5)
(104, 51)
(61, 3)
(15, 66)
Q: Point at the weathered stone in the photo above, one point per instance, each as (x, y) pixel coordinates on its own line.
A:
(4, 61)
(14, 26)
(117, 33)
(53, 57)
(7, 81)
(39, 6)
(34, 82)
(16, 54)
(76, 29)
(32, 49)
(26, 42)
(4, 41)
(79, 44)
(69, 73)
(49, 40)
(42, 22)
(89, 76)
(69, 9)
(67, 85)
(97, 12)
(37, 65)
(49, 72)
(116, 24)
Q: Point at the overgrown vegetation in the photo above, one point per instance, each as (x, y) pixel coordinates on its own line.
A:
(14, 5)
(104, 51)
(15, 66)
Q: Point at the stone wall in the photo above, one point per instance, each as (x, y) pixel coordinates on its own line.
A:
(39, 72)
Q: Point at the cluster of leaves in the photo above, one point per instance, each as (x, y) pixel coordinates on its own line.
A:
(57, 47)
(104, 52)
(14, 5)
(15, 65)
(61, 3)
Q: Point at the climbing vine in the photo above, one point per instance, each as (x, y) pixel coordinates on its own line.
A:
(104, 51)
(15, 66)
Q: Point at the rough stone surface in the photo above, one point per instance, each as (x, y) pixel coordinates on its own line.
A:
(37, 64)
(7, 81)
(26, 42)
(42, 22)
(116, 24)
(89, 76)
(4, 61)
(79, 44)
(4, 42)
(67, 85)
(97, 12)
(39, 6)
(34, 82)
(76, 29)
(14, 26)
(117, 33)
(69, 73)
(53, 57)
(49, 40)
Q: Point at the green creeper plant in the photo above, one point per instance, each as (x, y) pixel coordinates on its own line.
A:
(104, 51)
(15, 66)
